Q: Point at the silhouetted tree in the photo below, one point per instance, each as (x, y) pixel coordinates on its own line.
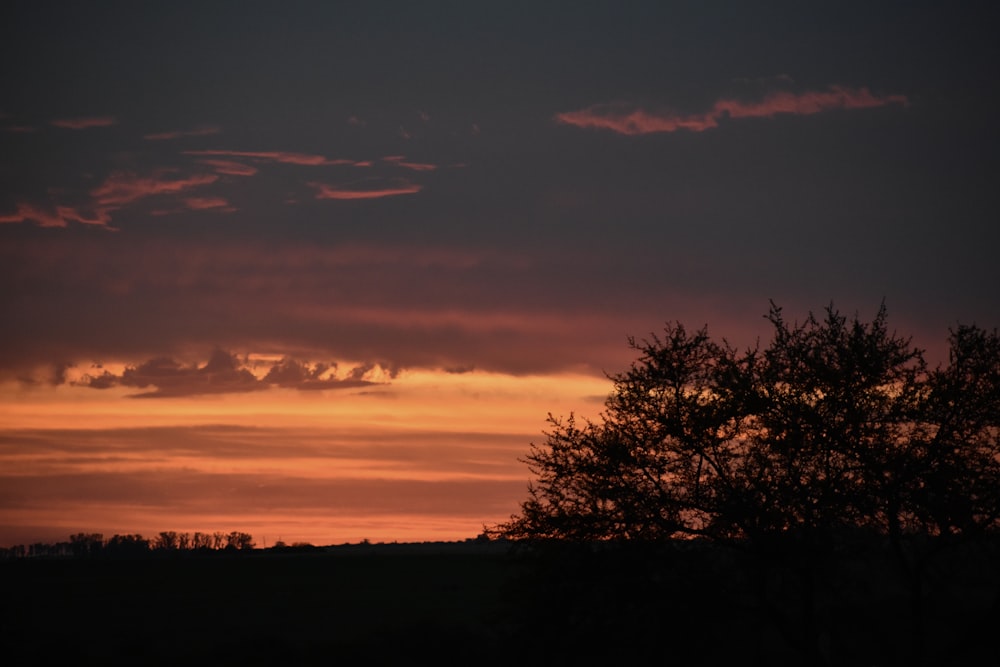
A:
(86, 544)
(184, 541)
(127, 546)
(201, 541)
(835, 429)
(218, 540)
(239, 541)
(167, 540)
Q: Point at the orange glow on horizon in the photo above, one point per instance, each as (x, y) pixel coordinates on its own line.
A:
(428, 455)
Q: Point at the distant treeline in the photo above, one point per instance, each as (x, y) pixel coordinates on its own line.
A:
(90, 545)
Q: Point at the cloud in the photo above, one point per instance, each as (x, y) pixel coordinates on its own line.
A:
(400, 161)
(30, 213)
(59, 216)
(221, 374)
(85, 123)
(118, 189)
(624, 119)
(206, 203)
(99, 217)
(224, 373)
(292, 374)
(177, 134)
(129, 298)
(121, 188)
(812, 102)
(19, 129)
(324, 191)
(230, 167)
(284, 157)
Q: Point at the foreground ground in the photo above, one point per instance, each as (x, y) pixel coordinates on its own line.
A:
(457, 605)
(312, 608)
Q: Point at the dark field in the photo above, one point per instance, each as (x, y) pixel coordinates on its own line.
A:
(312, 608)
(454, 605)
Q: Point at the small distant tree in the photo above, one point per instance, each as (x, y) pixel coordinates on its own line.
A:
(127, 546)
(167, 540)
(201, 541)
(239, 541)
(84, 545)
(184, 541)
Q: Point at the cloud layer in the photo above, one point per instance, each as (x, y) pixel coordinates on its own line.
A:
(126, 300)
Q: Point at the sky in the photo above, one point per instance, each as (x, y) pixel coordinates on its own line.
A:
(319, 271)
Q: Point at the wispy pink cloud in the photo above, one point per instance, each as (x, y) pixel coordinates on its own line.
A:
(206, 203)
(284, 157)
(100, 217)
(177, 134)
(324, 191)
(623, 120)
(19, 129)
(400, 161)
(118, 189)
(36, 214)
(230, 167)
(59, 216)
(85, 123)
(628, 120)
(807, 103)
(121, 188)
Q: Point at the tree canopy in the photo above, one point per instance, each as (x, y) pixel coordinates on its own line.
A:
(837, 424)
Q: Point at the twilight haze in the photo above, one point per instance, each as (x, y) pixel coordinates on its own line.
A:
(318, 271)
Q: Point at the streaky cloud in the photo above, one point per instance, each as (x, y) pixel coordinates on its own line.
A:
(325, 191)
(624, 120)
(85, 123)
(812, 102)
(60, 216)
(36, 214)
(208, 203)
(630, 120)
(230, 167)
(178, 134)
(400, 161)
(283, 157)
(121, 188)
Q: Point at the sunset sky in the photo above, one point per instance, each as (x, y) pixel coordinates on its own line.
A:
(318, 271)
